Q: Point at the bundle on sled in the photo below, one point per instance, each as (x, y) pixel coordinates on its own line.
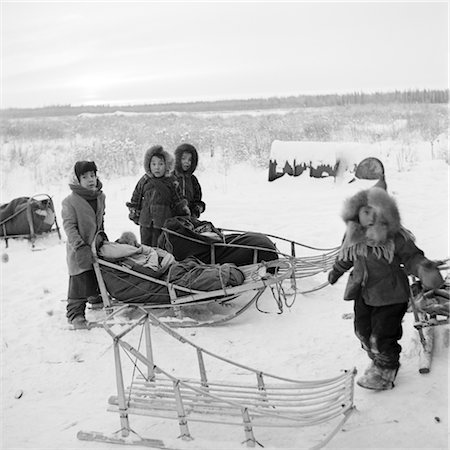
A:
(430, 308)
(28, 218)
(151, 277)
(183, 236)
(187, 389)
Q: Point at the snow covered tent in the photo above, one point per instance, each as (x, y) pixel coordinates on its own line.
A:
(321, 159)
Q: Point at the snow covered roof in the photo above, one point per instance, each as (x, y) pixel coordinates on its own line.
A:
(317, 153)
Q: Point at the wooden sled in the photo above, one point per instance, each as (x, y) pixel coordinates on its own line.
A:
(31, 225)
(430, 309)
(183, 304)
(307, 261)
(257, 400)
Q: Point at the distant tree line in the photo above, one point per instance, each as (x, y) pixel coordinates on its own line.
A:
(299, 101)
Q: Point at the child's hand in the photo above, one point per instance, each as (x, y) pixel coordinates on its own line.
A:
(134, 215)
(333, 276)
(429, 275)
(84, 257)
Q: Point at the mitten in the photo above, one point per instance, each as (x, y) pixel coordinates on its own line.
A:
(83, 257)
(134, 216)
(333, 276)
(429, 275)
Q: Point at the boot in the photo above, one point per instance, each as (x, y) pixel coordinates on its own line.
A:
(377, 378)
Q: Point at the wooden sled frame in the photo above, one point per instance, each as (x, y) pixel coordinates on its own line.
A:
(257, 279)
(424, 322)
(268, 401)
(32, 236)
(303, 266)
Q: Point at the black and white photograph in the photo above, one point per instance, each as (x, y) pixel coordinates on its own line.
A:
(224, 225)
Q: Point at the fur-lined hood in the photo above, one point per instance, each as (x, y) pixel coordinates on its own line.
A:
(188, 148)
(378, 199)
(158, 150)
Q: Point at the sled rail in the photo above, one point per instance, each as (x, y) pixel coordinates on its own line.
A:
(267, 401)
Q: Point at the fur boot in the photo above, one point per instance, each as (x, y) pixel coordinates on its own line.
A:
(377, 378)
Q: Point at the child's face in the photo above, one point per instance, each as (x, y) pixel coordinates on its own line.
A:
(88, 180)
(375, 224)
(186, 161)
(157, 166)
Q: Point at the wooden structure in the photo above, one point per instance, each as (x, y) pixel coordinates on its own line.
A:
(264, 400)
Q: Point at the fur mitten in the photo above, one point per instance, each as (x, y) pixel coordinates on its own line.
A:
(429, 275)
(333, 276)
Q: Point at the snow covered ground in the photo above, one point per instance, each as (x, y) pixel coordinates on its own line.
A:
(55, 382)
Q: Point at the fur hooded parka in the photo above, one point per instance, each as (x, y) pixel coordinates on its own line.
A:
(381, 252)
(156, 199)
(189, 184)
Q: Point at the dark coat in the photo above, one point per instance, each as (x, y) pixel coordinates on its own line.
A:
(379, 281)
(80, 224)
(381, 252)
(156, 199)
(188, 182)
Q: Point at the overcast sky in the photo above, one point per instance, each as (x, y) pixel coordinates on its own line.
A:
(144, 52)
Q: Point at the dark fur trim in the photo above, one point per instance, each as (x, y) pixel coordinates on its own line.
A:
(179, 152)
(380, 200)
(158, 150)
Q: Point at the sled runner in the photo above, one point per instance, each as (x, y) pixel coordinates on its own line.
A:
(224, 290)
(186, 236)
(28, 218)
(250, 399)
(430, 308)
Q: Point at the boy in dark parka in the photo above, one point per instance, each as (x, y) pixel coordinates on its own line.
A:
(186, 160)
(156, 196)
(382, 254)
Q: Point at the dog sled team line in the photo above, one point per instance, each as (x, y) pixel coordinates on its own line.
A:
(186, 272)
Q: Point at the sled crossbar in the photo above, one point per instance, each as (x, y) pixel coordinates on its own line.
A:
(260, 400)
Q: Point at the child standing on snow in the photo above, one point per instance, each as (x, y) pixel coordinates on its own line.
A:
(381, 253)
(82, 214)
(186, 160)
(156, 196)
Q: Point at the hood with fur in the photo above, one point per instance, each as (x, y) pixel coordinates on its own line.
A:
(188, 148)
(384, 206)
(158, 150)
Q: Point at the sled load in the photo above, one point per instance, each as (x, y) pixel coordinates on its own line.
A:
(183, 236)
(188, 391)
(430, 308)
(28, 218)
(156, 281)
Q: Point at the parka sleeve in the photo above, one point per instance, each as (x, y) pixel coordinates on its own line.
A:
(197, 189)
(136, 197)
(179, 204)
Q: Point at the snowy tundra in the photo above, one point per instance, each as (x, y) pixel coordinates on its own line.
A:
(56, 381)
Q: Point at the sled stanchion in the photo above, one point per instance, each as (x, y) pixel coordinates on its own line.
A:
(201, 366)
(182, 422)
(149, 350)
(124, 422)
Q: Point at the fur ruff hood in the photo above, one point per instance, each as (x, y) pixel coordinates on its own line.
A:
(188, 148)
(379, 235)
(378, 199)
(158, 150)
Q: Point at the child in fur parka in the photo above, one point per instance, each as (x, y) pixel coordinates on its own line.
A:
(382, 254)
(156, 196)
(186, 160)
